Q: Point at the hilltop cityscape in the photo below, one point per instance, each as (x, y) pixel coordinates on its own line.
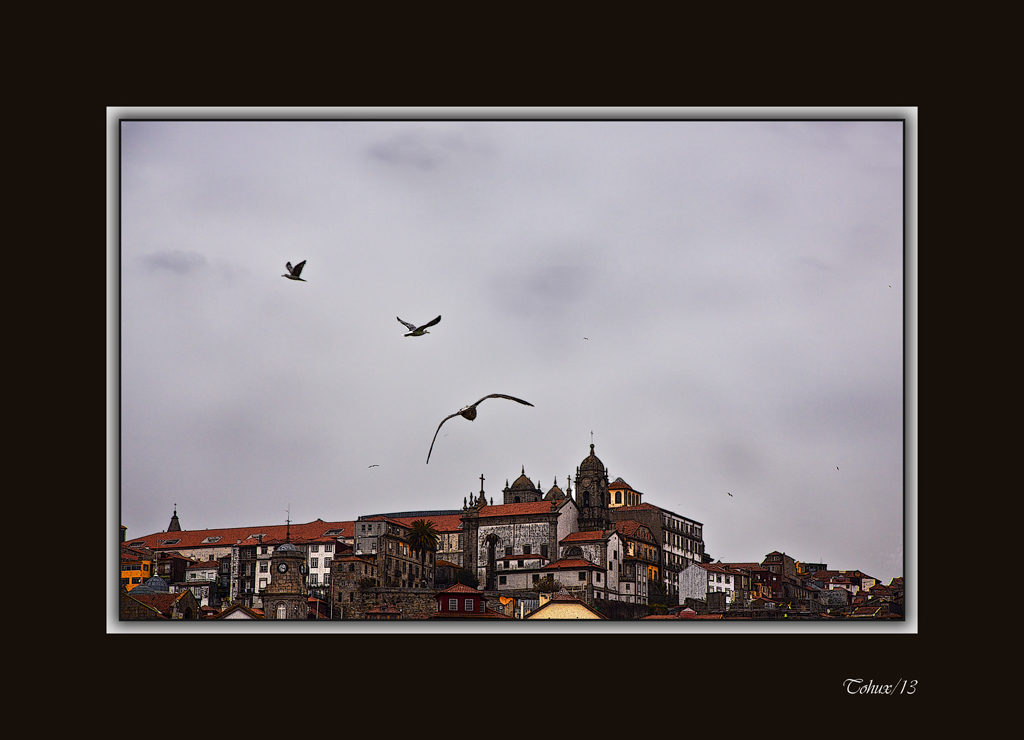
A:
(593, 550)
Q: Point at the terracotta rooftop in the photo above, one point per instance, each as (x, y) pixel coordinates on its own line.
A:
(630, 528)
(443, 523)
(531, 507)
(205, 565)
(128, 553)
(230, 535)
(460, 588)
(638, 507)
(571, 563)
(161, 602)
(591, 536)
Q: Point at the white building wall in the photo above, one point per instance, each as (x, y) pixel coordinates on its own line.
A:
(568, 520)
(693, 583)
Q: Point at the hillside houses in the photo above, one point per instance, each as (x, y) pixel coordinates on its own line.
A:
(604, 545)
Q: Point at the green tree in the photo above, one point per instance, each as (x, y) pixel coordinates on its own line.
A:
(657, 594)
(423, 538)
(467, 578)
(547, 585)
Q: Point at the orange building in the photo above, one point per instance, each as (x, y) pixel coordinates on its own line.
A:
(136, 566)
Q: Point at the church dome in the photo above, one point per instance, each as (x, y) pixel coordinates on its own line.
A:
(522, 483)
(555, 494)
(287, 549)
(592, 462)
(152, 585)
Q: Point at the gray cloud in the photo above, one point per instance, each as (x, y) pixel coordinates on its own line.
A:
(731, 279)
(176, 261)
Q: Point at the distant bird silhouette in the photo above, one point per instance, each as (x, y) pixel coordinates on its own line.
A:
(418, 331)
(470, 413)
(375, 466)
(730, 494)
(837, 467)
(294, 272)
(587, 338)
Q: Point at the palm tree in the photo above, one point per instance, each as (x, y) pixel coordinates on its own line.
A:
(423, 538)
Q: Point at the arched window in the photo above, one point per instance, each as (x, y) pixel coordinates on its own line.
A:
(282, 611)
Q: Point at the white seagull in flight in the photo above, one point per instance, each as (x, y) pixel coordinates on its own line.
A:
(418, 331)
(294, 272)
(470, 413)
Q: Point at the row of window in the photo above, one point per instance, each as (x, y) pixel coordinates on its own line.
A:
(528, 550)
(453, 605)
(582, 576)
(631, 498)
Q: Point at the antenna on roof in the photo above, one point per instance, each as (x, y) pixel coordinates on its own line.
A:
(288, 522)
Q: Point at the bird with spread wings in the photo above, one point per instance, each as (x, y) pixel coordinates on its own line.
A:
(418, 331)
(470, 413)
(294, 272)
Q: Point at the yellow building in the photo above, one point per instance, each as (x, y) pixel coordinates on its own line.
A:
(562, 605)
(621, 493)
(137, 566)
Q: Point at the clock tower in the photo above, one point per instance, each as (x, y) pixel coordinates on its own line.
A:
(285, 596)
(592, 494)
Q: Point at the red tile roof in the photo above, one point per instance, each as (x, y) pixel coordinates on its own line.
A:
(630, 528)
(460, 588)
(229, 535)
(591, 536)
(531, 507)
(638, 507)
(205, 565)
(443, 523)
(128, 553)
(161, 602)
(570, 564)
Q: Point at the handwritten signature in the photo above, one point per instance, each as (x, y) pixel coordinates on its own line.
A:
(902, 686)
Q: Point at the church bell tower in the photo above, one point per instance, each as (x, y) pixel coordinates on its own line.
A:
(285, 596)
(592, 494)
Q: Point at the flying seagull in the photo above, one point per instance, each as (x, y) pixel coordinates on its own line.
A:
(730, 494)
(418, 331)
(374, 466)
(294, 272)
(470, 413)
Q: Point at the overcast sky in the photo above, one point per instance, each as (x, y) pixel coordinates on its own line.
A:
(721, 303)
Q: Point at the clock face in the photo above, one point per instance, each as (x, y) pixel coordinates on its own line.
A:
(586, 481)
(282, 567)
